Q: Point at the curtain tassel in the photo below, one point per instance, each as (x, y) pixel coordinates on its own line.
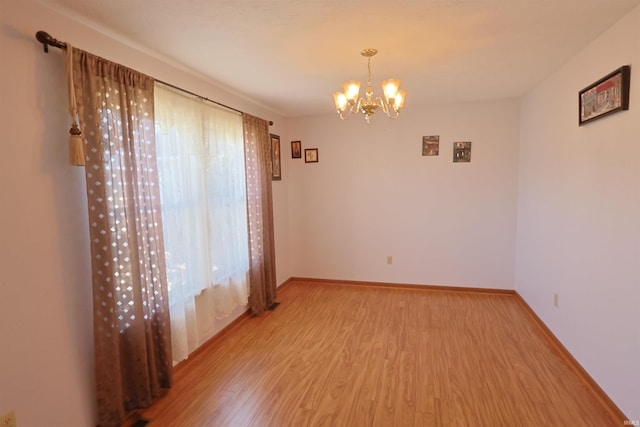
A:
(76, 146)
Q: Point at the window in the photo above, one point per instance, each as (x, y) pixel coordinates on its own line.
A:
(200, 152)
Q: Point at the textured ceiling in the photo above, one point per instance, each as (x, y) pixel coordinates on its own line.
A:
(291, 55)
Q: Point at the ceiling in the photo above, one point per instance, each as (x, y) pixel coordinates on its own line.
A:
(291, 55)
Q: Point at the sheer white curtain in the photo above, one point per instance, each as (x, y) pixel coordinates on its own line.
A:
(200, 152)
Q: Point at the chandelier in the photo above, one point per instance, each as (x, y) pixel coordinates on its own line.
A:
(349, 101)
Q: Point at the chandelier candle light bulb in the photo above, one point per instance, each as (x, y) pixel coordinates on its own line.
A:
(349, 101)
(390, 88)
(352, 90)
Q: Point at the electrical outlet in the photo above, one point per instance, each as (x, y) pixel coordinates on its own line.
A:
(389, 259)
(555, 300)
(8, 420)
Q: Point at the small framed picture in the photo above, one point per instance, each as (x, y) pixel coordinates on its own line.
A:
(311, 155)
(462, 152)
(430, 145)
(296, 149)
(276, 170)
(608, 95)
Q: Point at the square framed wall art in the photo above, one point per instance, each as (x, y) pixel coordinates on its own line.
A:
(462, 152)
(311, 155)
(430, 145)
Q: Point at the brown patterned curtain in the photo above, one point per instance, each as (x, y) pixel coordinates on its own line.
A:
(262, 262)
(130, 306)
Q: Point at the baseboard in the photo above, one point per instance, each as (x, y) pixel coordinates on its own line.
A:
(285, 283)
(411, 286)
(575, 366)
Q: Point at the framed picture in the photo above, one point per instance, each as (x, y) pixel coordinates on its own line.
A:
(608, 95)
(276, 167)
(311, 155)
(296, 149)
(462, 152)
(430, 145)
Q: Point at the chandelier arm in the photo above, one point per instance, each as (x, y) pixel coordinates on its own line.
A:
(393, 113)
(345, 116)
(382, 103)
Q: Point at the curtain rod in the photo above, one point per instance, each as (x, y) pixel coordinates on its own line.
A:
(46, 39)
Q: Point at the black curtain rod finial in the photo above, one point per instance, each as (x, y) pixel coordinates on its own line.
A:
(46, 40)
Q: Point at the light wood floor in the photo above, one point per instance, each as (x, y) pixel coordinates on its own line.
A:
(339, 355)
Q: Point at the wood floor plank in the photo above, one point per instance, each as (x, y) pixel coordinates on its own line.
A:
(349, 355)
(406, 395)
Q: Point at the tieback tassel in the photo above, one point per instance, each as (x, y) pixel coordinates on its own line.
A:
(76, 146)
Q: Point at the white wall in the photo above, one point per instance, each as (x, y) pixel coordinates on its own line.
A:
(372, 195)
(46, 348)
(578, 216)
